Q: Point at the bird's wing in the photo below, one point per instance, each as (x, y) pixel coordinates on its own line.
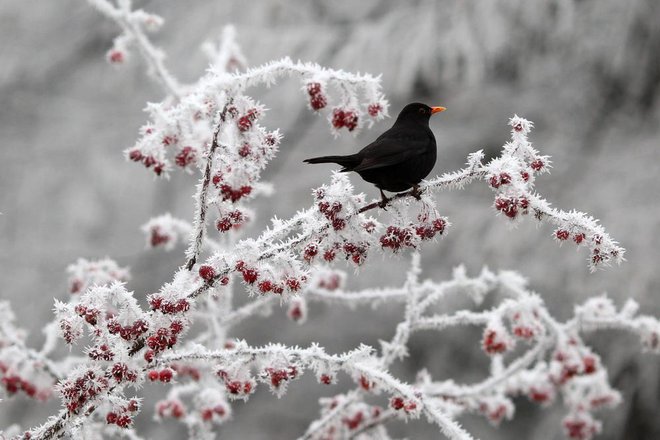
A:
(391, 150)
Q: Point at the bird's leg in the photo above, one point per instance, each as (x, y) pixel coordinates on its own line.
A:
(415, 192)
(384, 200)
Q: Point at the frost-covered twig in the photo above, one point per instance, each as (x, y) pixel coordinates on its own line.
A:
(133, 24)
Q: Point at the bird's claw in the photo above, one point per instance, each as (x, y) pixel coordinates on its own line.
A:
(384, 201)
(416, 192)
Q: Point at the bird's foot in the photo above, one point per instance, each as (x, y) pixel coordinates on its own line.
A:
(384, 200)
(416, 192)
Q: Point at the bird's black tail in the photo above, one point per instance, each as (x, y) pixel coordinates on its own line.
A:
(345, 161)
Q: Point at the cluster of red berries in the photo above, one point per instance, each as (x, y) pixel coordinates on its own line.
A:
(279, 375)
(165, 337)
(122, 416)
(208, 414)
(317, 99)
(250, 274)
(497, 180)
(542, 394)
(233, 194)
(234, 219)
(525, 326)
(166, 307)
(356, 252)
(396, 238)
(77, 392)
(245, 122)
(69, 332)
(147, 161)
(185, 157)
(165, 375)
(494, 409)
(361, 417)
(235, 387)
(171, 408)
(102, 352)
(399, 403)
(89, 314)
(563, 235)
(580, 426)
(344, 118)
(331, 212)
(374, 109)
(120, 372)
(129, 332)
(512, 206)
(14, 383)
(183, 370)
(573, 364)
(157, 238)
(496, 340)
(330, 281)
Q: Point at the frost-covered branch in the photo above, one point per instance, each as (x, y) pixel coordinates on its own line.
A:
(134, 25)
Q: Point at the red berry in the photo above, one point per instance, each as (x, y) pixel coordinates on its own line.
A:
(313, 88)
(589, 363)
(265, 286)
(537, 165)
(245, 150)
(374, 109)
(578, 238)
(317, 102)
(111, 418)
(338, 118)
(562, 234)
(338, 224)
(153, 375)
(165, 375)
(185, 157)
(350, 120)
(326, 379)
(135, 155)
(207, 272)
(149, 355)
(116, 56)
(396, 403)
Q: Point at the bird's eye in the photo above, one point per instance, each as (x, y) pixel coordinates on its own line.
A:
(422, 110)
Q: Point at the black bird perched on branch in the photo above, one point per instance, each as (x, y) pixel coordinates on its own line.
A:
(400, 158)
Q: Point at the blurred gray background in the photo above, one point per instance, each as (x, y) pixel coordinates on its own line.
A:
(586, 72)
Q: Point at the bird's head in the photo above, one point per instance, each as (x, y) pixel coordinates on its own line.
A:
(418, 112)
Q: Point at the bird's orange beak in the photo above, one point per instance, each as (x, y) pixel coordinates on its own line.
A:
(437, 109)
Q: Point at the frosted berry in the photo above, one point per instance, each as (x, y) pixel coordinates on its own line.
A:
(116, 56)
(374, 110)
(338, 117)
(207, 272)
(185, 157)
(537, 165)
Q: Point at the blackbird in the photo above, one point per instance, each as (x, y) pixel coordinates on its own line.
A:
(400, 158)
